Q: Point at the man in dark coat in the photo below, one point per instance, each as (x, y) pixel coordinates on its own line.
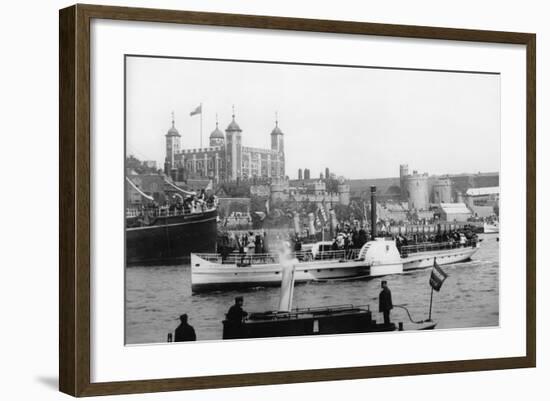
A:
(385, 305)
(184, 332)
(236, 314)
(234, 326)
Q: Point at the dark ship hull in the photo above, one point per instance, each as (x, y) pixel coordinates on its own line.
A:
(340, 319)
(169, 240)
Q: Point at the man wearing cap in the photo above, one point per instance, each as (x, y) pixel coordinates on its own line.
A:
(184, 332)
(385, 304)
(236, 314)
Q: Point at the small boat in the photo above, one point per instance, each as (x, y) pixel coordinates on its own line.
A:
(337, 319)
(491, 228)
(376, 258)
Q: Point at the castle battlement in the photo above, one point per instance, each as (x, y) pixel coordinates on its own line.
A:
(248, 149)
(200, 150)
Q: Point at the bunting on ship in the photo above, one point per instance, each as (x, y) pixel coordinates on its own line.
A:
(139, 190)
(179, 189)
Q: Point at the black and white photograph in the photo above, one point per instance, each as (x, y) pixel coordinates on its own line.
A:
(273, 199)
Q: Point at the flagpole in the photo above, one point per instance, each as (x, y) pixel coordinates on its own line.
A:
(431, 299)
(201, 123)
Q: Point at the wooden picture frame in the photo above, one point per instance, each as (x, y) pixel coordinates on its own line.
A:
(75, 207)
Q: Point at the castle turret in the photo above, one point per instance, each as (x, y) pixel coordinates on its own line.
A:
(344, 193)
(418, 193)
(279, 190)
(277, 145)
(442, 191)
(216, 137)
(173, 139)
(319, 188)
(233, 143)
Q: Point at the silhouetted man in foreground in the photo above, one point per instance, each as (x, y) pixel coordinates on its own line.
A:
(184, 332)
(236, 314)
(234, 326)
(385, 305)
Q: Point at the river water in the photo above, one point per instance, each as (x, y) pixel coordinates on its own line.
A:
(156, 296)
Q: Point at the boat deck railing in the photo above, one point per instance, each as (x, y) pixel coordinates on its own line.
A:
(166, 212)
(315, 311)
(435, 246)
(248, 259)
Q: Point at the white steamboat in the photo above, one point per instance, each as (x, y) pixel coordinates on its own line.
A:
(376, 258)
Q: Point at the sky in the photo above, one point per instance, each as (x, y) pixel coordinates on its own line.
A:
(359, 122)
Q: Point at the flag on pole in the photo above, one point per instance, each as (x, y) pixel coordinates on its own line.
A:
(437, 277)
(322, 216)
(198, 110)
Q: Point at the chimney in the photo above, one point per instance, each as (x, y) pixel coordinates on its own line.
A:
(373, 211)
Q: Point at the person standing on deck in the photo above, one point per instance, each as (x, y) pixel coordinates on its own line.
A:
(234, 326)
(236, 314)
(184, 332)
(385, 304)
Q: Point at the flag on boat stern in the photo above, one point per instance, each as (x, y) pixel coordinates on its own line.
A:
(198, 110)
(437, 277)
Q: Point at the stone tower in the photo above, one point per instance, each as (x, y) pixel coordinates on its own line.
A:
(173, 142)
(417, 189)
(277, 144)
(344, 193)
(233, 149)
(403, 173)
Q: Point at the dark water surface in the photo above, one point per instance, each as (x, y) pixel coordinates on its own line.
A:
(156, 296)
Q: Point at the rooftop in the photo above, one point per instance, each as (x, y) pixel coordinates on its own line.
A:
(455, 208)
(483, 191)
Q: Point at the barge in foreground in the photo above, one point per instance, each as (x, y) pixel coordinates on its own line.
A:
(339, 319)
(285, 321)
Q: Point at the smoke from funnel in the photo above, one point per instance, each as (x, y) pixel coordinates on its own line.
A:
(288, 264)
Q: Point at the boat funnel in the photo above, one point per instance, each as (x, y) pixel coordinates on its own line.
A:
(287, 287)
(373, 211)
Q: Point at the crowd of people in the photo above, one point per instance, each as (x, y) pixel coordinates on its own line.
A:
(247, 243)
(349, 238)
(193, 203)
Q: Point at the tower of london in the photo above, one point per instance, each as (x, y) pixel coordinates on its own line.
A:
(225, 159)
